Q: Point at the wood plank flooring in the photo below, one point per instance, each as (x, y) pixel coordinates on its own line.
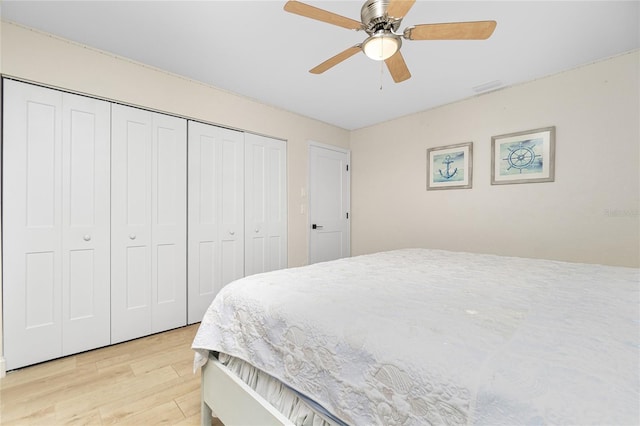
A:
(141, 382)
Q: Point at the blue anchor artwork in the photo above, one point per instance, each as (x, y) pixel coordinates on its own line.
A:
(449, 167)
(448, 174)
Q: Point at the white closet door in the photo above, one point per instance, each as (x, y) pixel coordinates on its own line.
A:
(216, 213)
(55, 223)
(265, 204)
(130, 223)
(169, 223)
(32, 224)
(148, 221)
(85, 224)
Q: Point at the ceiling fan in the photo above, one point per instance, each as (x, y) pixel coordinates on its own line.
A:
(380, 19)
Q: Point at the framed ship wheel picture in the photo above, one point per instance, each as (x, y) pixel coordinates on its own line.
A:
(523, 157)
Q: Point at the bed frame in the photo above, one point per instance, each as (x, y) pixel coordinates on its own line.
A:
(233, 401)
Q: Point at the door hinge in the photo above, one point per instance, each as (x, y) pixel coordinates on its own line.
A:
(347, 167)
(347, 215)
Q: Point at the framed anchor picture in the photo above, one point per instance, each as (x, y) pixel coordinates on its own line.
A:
(450, 167)
(523, 157)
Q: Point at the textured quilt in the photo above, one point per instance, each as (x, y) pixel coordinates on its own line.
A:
(416, 336)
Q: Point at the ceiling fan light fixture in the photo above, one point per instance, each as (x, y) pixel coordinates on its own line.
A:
(382, 45)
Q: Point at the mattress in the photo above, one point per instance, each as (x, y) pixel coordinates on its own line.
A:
(422, 336)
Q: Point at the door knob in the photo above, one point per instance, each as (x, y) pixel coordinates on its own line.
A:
(314, 226)
(232, 232)
(87, 237)
(132, 236)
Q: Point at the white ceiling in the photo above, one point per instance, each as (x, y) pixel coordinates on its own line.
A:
(256, 49)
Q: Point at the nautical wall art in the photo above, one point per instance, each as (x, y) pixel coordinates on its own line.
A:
(450, 167)
(523, 157)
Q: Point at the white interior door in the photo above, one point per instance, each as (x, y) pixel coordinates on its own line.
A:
(265, 204)
(32, 224)
(86, 139)
(329, 203)
(56, 223)
(148, 239)
(216, 213)
(130, 223)
(168, 223)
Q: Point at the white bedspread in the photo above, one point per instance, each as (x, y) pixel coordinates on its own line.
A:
(415, 337)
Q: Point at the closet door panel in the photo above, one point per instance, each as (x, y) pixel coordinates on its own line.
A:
(203, 211)
(205, 227)
(232, 205)
(32, 228)
(255, 203)
(265, 204)
(131, 249)
(276, 208)
(275, 241)
(86, 224)
(205, 230)
(215, 232)
(169, 223)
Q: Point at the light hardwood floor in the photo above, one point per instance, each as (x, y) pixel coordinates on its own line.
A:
(147, 381)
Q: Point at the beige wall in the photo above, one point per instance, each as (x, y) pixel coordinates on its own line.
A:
(589, 214)
(38, 57)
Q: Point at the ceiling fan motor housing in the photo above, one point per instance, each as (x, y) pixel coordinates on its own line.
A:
(374, 17)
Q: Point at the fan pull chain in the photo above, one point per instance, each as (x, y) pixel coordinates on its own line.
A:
(381, 73)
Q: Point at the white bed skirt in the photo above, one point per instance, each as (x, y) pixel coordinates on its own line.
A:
(282, 398)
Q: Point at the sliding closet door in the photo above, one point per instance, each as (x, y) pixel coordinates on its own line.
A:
(55, 223)
(216, 216)
(265, 204)
(148, 220)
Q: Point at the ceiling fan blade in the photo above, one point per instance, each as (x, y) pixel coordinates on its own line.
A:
(479, 30)
(399, 8)
(398, 68)
(331, 62)
(313, 12)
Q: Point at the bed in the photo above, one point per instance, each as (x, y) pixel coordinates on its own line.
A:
(417, 336)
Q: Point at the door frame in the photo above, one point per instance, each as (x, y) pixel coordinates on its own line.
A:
(346, 151)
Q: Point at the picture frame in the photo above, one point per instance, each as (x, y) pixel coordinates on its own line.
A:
(523, 157)
(450, 167)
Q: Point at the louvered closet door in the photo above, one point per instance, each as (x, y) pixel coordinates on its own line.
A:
(216, 215)
(55, 226)
(148, 239)
(265, 204)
